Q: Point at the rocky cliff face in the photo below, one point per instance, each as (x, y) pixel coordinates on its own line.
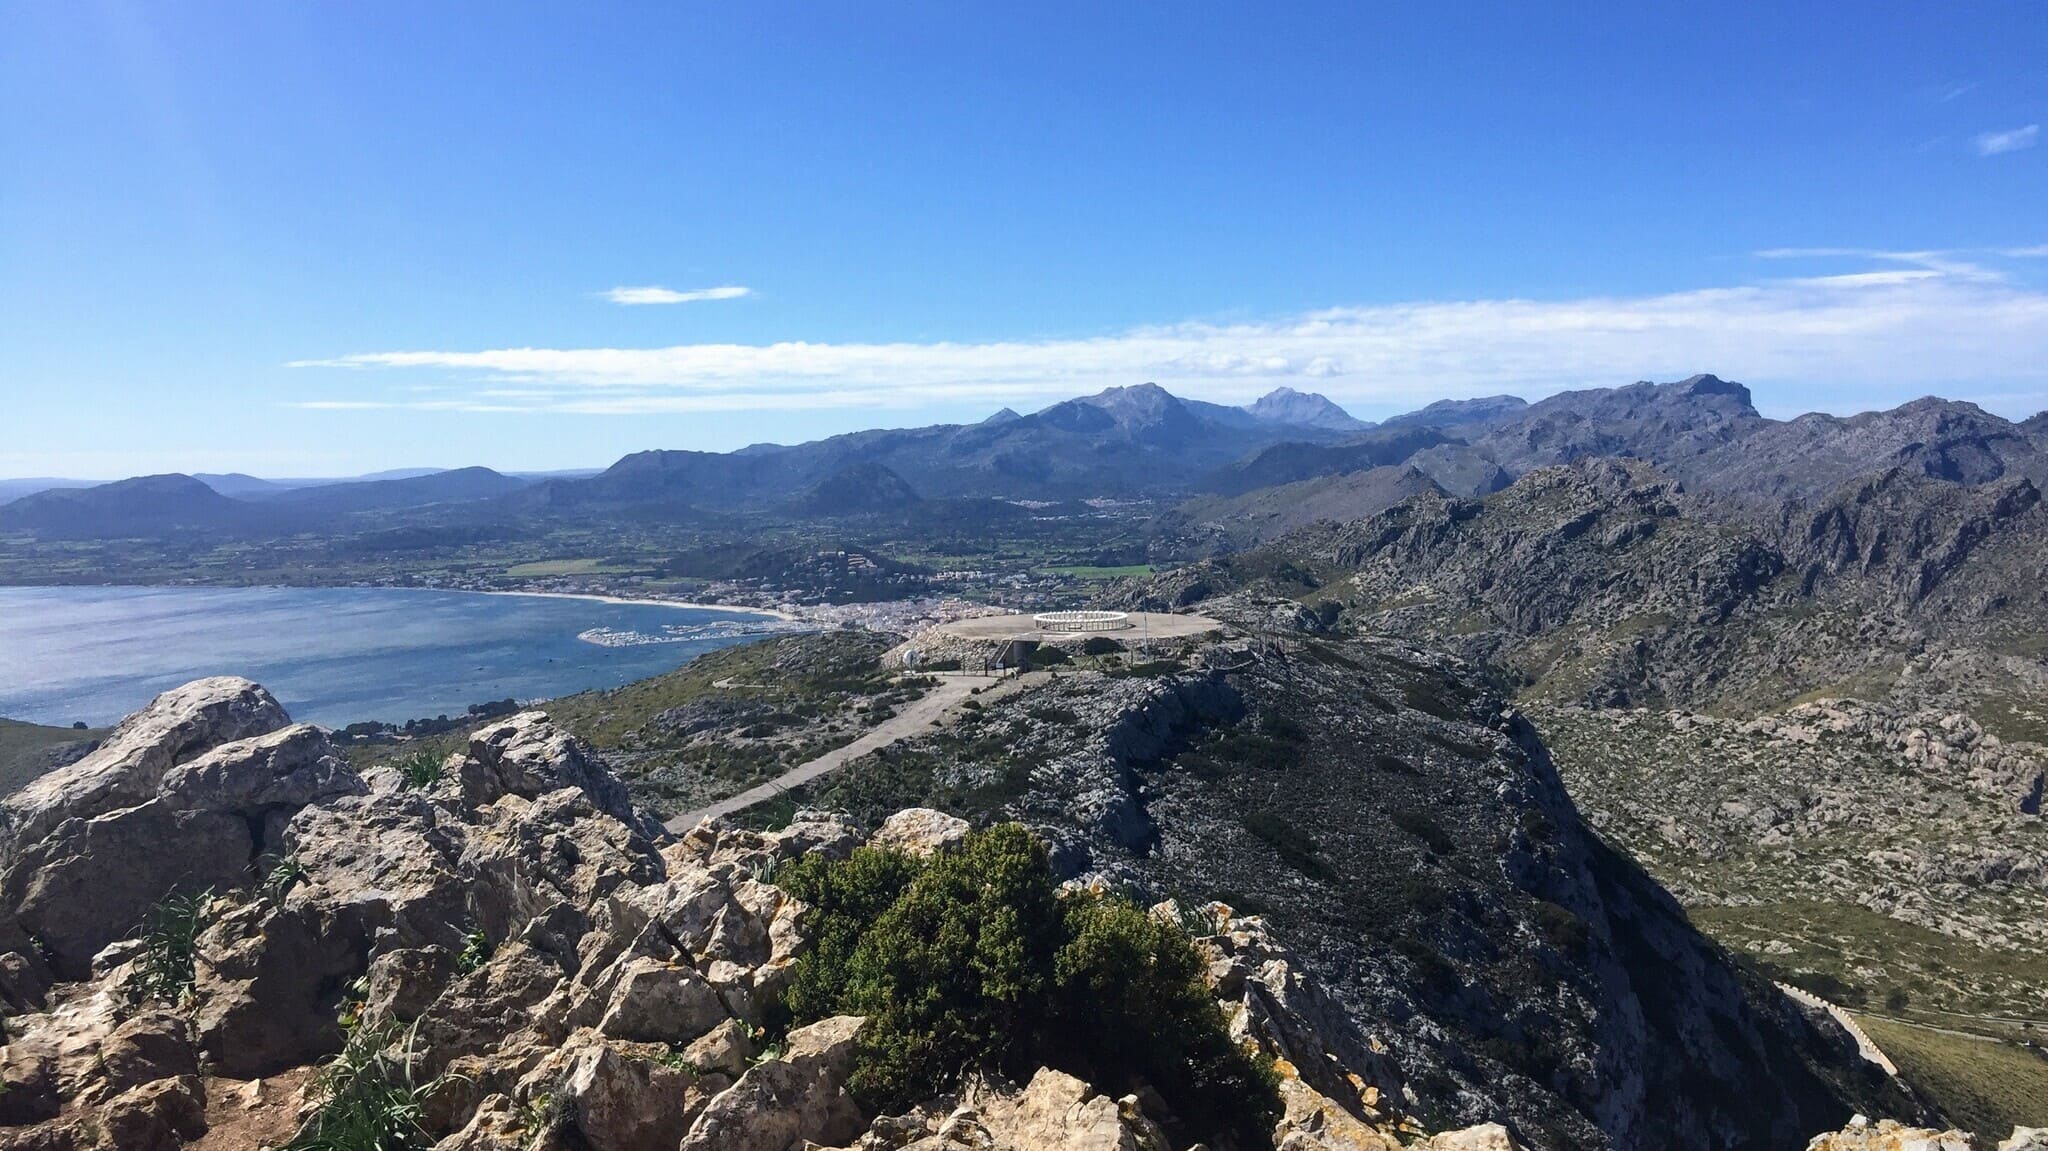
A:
(1403, 830)
(1605, 582)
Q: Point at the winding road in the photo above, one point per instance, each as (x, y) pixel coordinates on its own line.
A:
(915, 716)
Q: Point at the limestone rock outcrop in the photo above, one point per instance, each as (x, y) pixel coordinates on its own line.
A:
(185, 795)
(921, 831)
(1888, 1135)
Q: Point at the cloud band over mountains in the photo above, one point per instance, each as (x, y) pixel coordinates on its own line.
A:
(1923, 321)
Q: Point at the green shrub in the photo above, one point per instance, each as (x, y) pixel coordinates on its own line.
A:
(1132, 1008)
(845, 897)
(1100, 645)
(973, 960)
(170, 937)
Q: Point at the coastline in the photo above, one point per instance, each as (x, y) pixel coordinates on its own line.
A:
(423, 684)
(599, 597)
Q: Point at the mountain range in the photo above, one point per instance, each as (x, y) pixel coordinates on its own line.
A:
(1289, 453)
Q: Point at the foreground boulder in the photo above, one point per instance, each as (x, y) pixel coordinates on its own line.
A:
(185, 795)
(1886, 1135)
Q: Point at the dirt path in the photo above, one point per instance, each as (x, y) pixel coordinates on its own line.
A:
(915, 717)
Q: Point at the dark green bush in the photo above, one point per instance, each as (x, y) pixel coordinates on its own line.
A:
(974, 960)
(1132, 1008)
(1100, 645)
(1424, 827)
(1563, 928)
(1296, 848)
(845, 898)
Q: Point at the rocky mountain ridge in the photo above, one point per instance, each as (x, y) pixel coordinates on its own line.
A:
(511, 948)
(1607, 582)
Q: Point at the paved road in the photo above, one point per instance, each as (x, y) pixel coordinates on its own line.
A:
(915, 717)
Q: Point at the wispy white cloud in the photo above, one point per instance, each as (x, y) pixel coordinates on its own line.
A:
(656, 295)
(1955, 263)
(1940, 321)
(2010, 140)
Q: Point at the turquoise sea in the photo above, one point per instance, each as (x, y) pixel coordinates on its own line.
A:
(334, 655)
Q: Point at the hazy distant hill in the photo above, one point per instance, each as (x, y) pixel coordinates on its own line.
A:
(415, 491)
(1267, 513)
(149, 506)
(143, 506)
(1289, 462)
(857, 488)
(240, 485)
(15, 489)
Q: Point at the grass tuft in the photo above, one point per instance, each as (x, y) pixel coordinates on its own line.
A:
(421, 769)
(369, 1099)
(170, 938)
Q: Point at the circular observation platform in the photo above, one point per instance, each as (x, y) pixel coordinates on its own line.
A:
(1068, 622)
(1134, 626)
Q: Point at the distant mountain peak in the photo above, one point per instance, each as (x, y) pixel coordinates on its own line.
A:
(1133, 397)
(1135, 406)
(1284, 405)
(1708, 384)
(1003, 416)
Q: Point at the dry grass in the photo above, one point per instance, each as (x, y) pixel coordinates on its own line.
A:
(1986, 1086)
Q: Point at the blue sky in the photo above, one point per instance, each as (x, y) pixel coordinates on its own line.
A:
(319, 239)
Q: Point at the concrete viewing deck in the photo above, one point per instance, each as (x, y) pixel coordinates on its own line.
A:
(1143, 625)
